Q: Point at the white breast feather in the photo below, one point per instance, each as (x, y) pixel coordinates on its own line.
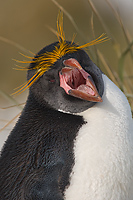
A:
(103, 150)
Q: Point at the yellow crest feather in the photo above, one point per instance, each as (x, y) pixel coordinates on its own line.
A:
(46, 60)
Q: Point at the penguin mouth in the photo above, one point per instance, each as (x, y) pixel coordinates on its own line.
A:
(77, 82)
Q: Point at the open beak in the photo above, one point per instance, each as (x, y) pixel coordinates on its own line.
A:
(77, 82)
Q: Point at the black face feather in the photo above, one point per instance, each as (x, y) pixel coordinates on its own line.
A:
(47, 87)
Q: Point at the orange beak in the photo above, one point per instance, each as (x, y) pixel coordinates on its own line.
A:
(77, 82)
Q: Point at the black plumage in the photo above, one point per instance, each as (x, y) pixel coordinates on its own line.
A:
(37, 158)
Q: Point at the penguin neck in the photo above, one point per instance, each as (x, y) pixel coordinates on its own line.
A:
(36, 109)
(42, 114)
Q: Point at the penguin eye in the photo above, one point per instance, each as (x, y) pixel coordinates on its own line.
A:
(52, 81)
(49, 78)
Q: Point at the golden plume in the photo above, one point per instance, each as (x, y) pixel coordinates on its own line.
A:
(46, 60)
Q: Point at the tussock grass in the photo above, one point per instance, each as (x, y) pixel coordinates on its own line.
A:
(121, 76)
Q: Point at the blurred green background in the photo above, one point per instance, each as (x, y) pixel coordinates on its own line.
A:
(26, 26)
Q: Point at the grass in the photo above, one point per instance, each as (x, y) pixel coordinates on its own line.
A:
(121, 75)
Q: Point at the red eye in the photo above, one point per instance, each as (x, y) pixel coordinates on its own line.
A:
(52, 80)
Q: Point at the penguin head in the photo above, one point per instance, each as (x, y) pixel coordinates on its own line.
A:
(63, 76)
(71, 84)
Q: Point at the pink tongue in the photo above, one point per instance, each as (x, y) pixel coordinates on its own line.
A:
(86, 89)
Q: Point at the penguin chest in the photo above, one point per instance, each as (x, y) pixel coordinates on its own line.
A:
(103, 166)
(103, 153)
